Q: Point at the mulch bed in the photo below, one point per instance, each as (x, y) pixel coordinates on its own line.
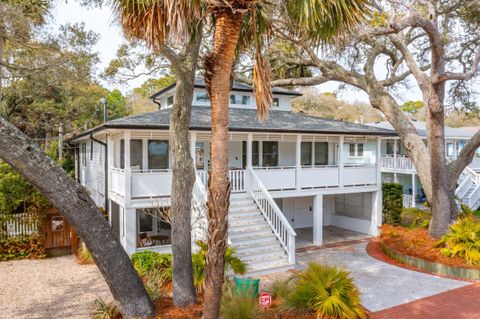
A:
(417, 243)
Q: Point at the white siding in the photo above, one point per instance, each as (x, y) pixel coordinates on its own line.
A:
(92, 172)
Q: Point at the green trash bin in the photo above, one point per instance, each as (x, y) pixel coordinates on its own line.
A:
(246, 286)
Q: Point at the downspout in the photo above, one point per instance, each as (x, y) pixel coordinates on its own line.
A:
(158, 103)
(105, 159)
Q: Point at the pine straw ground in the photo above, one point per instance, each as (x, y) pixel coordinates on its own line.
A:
(417, 243)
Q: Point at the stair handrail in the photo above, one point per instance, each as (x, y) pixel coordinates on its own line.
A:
(272, 213)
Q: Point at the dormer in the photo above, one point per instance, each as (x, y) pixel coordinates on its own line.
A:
(241, 96)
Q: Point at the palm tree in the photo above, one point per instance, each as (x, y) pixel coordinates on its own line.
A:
(236, 24)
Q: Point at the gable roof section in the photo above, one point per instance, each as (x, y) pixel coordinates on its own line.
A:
(244, 120)
(237, 86)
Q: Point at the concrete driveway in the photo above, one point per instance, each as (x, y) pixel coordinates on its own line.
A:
(381, 285)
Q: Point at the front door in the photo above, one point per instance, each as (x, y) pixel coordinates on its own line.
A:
(57, 232)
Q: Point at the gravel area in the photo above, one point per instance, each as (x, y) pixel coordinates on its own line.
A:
(49, 288)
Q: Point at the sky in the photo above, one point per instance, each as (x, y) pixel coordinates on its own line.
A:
(102, 21)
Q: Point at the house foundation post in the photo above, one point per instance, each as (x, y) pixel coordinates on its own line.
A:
(318, 220)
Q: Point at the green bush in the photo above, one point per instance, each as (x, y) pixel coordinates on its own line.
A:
(21, 247)
(149, 263)
(238, 306)
(462, 240)
(415, 218)
(327, 291)
(392, 203)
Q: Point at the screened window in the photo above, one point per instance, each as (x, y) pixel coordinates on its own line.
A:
(450, 152)
(157, 154)
(255, 154)
(91, 150)
(321, 153)
(306, 153)
(202, 97)
(239, 99)
(356, 150)
(270, 154)
(136, 154)
(83, 150)
(170, 100)
(276, 102)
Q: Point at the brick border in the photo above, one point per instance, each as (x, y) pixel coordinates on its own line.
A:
(374, 250)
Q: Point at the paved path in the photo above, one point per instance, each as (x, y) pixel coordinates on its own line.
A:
(381, 285)
(460, 303)
(49, 288)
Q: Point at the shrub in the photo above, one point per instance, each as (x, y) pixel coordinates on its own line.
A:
(465, 211)
(21, 247)
(392, 202)
(238, 306)
(415, 217)
(104, 310)
(147, 261)
(154, 280)
(326, 290)
(462, 240)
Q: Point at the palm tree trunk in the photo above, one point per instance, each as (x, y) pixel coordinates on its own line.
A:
(76, 205)
(218, 71)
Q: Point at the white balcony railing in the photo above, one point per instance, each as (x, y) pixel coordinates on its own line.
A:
(400, 162)
(408, 201)
(117, 181)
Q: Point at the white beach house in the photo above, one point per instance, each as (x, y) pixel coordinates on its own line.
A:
(296, 180)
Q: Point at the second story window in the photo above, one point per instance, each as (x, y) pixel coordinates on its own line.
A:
(236, 99)
(170, 100)
(356, 150)
(158, 154)
(83, 151)
(202, 97)
(276, 102)
(306, 153)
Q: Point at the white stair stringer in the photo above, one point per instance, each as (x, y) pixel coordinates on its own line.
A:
(253, 238)
(469, 188)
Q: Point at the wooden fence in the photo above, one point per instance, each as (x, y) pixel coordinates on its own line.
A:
(18, 225)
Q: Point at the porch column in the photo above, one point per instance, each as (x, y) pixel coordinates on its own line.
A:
(340, 162)
(395, 153)
(454, 148)
(318, 220)
(376, 221)
(395, 178)
(145, 154)
(110, 163)
(414, 189)
(298, 161)
(378, 159)
(130, 228)
(249, 150)
(128, 169)
(193, 145)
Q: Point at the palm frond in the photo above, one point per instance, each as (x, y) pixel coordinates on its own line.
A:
(262, 86)
(320, 21)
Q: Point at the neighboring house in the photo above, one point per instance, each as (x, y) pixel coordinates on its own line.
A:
(397, 166)
(296, 180)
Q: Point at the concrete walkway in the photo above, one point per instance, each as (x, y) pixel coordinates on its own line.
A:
(381, 285)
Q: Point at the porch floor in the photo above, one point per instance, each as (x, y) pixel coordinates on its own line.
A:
(331, 235)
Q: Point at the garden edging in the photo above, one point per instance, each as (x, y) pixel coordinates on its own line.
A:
(431, 267)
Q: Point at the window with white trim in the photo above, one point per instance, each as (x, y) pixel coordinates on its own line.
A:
(202, 97)
(237, 99)
(356, 150)
(170, 100)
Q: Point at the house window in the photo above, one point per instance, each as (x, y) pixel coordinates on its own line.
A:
(255, 154)
(321, 153)
(391, 147)
(200, 155)
(306, 153)
(276, 102)
(158, 154)
(91, 150)
(170, 100)
(450, 152)
(84, 154)
(153, 228)
(136, 154)
(239, 99)
(356, 150)
(202, 97)
(270, 154)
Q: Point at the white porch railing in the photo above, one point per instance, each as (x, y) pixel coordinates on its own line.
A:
(408, 201)
(117, 180)
(400, 162)
(23, 224)
(199, 209)
(272, 213)
(237, 180)
(151, 183)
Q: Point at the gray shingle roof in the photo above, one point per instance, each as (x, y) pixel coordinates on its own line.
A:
(237, 86)
(244, 120)
(421, 127)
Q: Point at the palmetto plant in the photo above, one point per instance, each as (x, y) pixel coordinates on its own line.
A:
(462, 240)
(237, 24)
(327, 291)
